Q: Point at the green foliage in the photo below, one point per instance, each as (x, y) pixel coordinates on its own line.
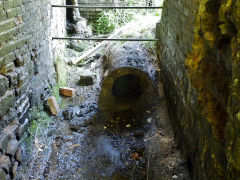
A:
(157, 14)
(103, 25)
(40, 121)
(55, 93)
(110, 20)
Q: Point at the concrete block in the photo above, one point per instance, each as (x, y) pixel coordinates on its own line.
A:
(4, 84)
(13, 79)
(12, 147)
(3, 51)
(12, 130)
(65, 91)
(10, 116)
(53, 105)
(5, 163)
(18, 155)
(6, 102)
(4, 139)
(14, 170)
(24, 126)
(2, 175)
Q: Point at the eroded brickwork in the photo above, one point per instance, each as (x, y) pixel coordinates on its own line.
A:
(198, 49)
(27, 56)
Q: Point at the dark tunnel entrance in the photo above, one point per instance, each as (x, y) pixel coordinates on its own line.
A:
(127, 88)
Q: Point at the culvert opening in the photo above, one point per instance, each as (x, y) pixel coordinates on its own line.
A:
(126, 91)
(127, 88)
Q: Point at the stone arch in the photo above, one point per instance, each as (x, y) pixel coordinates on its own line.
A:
(130, 81)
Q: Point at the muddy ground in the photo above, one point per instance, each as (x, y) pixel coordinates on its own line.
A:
(83, 144)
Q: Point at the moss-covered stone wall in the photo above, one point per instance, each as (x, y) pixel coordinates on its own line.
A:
(199, 52)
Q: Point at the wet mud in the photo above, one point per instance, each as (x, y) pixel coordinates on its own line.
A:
(83, 143)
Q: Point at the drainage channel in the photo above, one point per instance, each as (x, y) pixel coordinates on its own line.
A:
(117, 128)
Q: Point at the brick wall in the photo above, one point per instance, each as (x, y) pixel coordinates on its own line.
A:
(27, 56)
(199, 43)
(192, 130)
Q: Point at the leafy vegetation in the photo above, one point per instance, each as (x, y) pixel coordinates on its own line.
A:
(40, 121)
(112, 19)
(55, 93)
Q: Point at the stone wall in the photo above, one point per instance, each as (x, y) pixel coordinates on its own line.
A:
(199, 58)
(27, 56)
(92, 14)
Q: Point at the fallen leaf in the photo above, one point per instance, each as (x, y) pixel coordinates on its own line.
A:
(128, 125)
(149, 120)
(134, 155)
(76, 145)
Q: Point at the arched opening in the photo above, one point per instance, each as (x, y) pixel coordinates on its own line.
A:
(127, 88)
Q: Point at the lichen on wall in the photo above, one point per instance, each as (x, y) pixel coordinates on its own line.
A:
(202, 82)
(230, 26)
(207, 68)
(213, 67)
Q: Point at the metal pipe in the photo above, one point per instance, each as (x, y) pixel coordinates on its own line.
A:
(109, 7)
(102, 39)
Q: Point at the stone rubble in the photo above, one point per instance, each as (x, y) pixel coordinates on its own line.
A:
(10, 152)
(53, 105)
(85, 81)
(66, 91)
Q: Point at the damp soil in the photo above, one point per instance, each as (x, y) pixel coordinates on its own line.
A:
(83, 144)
